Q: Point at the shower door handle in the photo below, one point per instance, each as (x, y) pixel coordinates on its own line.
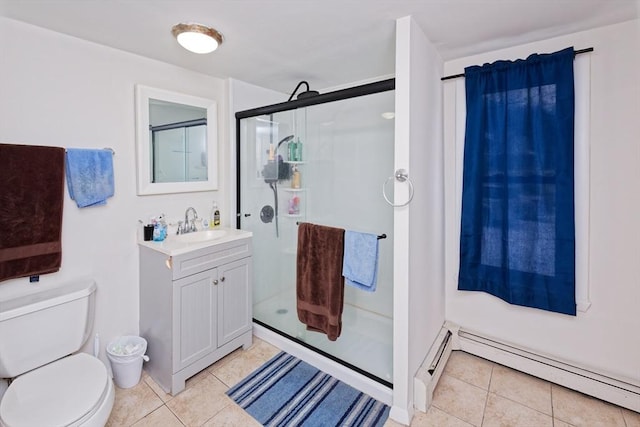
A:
(215, 282)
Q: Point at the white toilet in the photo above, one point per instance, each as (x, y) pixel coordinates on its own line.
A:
(48, 384)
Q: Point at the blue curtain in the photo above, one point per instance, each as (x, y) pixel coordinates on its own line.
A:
(517, 234)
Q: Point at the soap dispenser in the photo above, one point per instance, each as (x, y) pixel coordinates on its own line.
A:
(215, 216)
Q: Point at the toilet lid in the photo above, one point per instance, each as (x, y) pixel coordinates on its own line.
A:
(57, 394)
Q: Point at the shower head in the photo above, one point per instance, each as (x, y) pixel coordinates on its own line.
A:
(306, 94)
(283, 140)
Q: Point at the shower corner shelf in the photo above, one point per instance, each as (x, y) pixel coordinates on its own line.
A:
(293, 190)
(293, 215)
(293, 162)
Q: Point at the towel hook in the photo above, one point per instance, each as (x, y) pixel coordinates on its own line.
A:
(400, 175)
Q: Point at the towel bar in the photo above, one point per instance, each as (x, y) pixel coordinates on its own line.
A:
(380, 236)
(105, 148)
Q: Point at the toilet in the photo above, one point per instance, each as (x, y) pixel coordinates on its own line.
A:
(49, 383)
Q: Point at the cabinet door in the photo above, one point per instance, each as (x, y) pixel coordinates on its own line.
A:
(194, 317)
(234, 300)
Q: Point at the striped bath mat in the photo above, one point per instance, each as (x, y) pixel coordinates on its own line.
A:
(286, 391)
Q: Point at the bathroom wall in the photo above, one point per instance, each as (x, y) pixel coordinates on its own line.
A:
(62, 91)
(418, 278)
(604, 338)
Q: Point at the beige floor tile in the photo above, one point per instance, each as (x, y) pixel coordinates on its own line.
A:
(235, 353)
(196, 378)
(234, 370)
(460, 399)
(392, 423)
(160, 417)
(197, 404)
(502, 412)
(558, 423)
(631, 418)
(469, 368)
(522, 388)
(580, 410)
(232, 416)
(434, 417)
(163, 395)
(133, 404)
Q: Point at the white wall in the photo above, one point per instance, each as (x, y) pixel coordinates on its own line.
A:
(419, 237)
(57, 90)
(605, 337)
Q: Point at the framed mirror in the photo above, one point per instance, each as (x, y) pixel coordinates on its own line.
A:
(176, 142)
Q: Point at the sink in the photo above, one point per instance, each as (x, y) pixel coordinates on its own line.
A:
(200, 236)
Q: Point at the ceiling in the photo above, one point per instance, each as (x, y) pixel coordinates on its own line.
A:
(329, 43)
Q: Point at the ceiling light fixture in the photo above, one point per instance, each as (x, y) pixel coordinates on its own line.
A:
(197, 38)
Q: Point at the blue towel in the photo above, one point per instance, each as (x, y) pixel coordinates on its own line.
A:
(89, 176)
(360, 263)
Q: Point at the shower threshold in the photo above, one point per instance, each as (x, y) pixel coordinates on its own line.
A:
(364, 346)
(325, 354)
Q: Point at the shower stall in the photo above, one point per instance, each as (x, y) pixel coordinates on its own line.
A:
(322, 159)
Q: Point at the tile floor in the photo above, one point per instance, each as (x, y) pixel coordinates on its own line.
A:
(471, 392)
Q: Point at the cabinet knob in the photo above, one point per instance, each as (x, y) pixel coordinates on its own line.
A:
(222, 279)
(215, 281)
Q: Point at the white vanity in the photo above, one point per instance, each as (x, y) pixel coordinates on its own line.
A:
(195, 302)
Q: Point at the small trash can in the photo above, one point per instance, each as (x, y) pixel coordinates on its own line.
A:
(126, 355)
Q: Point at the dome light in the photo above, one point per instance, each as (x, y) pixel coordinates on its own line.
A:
(197, 38)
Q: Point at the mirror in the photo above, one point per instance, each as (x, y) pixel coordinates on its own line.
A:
(176, 139)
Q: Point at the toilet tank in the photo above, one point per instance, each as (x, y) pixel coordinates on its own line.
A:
(44, 326)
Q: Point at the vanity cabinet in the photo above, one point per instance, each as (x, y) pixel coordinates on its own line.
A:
(195, 308)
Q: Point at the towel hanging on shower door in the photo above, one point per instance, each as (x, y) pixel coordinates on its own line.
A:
(319, 281)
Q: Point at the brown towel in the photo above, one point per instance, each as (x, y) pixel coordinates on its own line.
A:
(319, 281)
(31, 200)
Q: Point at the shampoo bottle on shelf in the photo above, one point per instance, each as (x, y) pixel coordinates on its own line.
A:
(298, 150)
(295, 178)
(291, 148)
(215, 216)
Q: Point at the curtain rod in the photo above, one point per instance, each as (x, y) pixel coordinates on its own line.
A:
(577, 52)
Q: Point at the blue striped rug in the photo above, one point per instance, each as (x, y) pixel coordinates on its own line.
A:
(286, 391)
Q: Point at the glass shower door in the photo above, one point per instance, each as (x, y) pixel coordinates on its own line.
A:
(323, 164)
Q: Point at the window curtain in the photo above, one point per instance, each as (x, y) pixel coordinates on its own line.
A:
(517, 234)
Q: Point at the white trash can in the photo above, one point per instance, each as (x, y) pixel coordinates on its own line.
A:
(126, 355)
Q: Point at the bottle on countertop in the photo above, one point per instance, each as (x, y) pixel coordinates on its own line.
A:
(214, 219)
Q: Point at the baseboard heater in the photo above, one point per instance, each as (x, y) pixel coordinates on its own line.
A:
(451, 337)
(427, 377)
(617, 391)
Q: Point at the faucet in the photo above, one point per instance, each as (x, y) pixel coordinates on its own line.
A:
(189, 224)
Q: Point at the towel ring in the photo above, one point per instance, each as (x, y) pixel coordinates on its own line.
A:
(401, 175)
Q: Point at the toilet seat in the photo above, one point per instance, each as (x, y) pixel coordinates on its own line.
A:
(62, 393)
